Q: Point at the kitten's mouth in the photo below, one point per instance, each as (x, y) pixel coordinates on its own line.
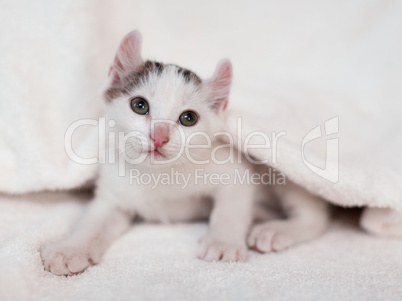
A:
(156, 153)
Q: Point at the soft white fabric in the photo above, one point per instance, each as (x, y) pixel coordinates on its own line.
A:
(296, 65)
(157, 262)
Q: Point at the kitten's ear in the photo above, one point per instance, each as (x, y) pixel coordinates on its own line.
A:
(127, 59)
(219, 85)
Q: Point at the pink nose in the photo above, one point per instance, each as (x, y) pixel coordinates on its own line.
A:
(159, 140)
(160, 135)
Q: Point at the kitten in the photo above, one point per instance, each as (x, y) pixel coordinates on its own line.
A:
(156, 105)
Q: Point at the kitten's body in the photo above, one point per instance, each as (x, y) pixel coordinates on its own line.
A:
(172, 202)
(231, 208)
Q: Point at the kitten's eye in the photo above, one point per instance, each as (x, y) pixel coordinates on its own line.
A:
(140, 106)
(188, 118)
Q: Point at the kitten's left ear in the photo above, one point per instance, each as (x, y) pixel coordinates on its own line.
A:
(127, 59)
(219, 85)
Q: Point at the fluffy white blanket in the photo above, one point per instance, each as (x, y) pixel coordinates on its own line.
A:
(157, 262)
(296, 67)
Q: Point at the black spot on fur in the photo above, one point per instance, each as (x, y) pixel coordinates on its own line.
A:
(187, 75)
(159, 67)
(141, 75)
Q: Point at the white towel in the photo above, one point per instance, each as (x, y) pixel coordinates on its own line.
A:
(295, 68)
(158, 262)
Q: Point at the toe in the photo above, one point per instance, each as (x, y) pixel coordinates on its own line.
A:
(213, 254)
(241, 254)
(57, 265)
(264, 241)
(77, 264)
(252, 239)
(229, 255)
(280, 241)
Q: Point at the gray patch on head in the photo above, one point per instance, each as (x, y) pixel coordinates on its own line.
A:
(188, 75)
(141, 75)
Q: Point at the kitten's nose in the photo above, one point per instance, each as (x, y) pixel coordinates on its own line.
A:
(159, 140)
(160, 135)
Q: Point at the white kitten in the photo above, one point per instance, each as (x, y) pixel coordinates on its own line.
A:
(156, 106)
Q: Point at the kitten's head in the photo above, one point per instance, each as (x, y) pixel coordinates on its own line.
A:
(163, 107)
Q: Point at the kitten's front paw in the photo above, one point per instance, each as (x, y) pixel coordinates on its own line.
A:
(214, 250)
(64, 260)
(270, 237)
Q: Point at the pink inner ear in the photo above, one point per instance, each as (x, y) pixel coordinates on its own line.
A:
(221, 81)
(225, 106)
(223, 77)
(127, 51)
(115, 76)
(127, 58)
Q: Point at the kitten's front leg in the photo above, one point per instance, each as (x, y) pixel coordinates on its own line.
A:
(229, 224)
(98, 228)
(307, 218)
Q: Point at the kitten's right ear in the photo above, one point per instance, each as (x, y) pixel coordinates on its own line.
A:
(127, 59)
(219, 85)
